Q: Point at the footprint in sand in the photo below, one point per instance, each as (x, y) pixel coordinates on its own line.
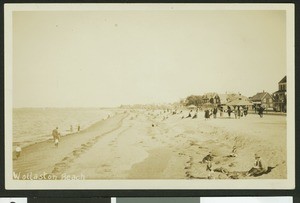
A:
(60, 164)
(188, 174)
(67, 159)
(59, 167)
(76, 152)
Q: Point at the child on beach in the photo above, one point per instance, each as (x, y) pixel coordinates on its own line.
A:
(18, 151)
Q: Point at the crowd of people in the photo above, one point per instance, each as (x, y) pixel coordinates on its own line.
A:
(237, 111)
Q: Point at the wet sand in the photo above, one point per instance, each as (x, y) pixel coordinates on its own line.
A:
(127, 146)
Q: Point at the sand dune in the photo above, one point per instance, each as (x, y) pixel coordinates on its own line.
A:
(140, 144)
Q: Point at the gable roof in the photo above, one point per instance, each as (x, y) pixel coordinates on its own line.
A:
(258, 96)
(210, 94)
(283, 80)
(223, 98)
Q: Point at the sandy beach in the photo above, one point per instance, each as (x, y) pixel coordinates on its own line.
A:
(146, 144)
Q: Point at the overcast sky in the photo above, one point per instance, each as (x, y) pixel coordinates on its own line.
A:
(108, 58)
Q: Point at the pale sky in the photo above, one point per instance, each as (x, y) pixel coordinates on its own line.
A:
(109, 58)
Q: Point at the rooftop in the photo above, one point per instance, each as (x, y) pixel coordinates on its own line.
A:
(283, 80)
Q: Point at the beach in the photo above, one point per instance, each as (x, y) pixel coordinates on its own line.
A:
(154, 144)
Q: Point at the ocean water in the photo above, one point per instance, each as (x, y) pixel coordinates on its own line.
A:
(31, 125)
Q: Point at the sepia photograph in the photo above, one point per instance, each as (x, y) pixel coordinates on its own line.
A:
(149, 96)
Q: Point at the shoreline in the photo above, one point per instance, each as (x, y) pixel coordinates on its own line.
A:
(67, 132)
(141, 144)
(38, 151)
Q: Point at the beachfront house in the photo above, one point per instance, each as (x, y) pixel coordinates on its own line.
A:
(212, 98)
(280, 96)
(223, 99)
(263, 99)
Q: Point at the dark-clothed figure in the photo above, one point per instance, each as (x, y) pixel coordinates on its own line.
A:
(215, 111)
(261, 111)
(245, 111)
(229, 111)
(206, 114)
(258, 167)
(190, 114)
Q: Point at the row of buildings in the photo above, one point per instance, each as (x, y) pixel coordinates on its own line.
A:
(275, 101)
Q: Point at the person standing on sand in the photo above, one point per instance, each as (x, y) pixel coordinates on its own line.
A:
(215, 111)
(221, 111)
(57, 140)
(78, 128)
(229, 111)
(18, 151)
(238, 112)
(245, 111)
(55, 133)
(235, 112)
(261, 111)
(206, 114)
(56, 136)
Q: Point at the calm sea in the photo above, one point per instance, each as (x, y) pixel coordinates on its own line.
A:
(31, 125)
